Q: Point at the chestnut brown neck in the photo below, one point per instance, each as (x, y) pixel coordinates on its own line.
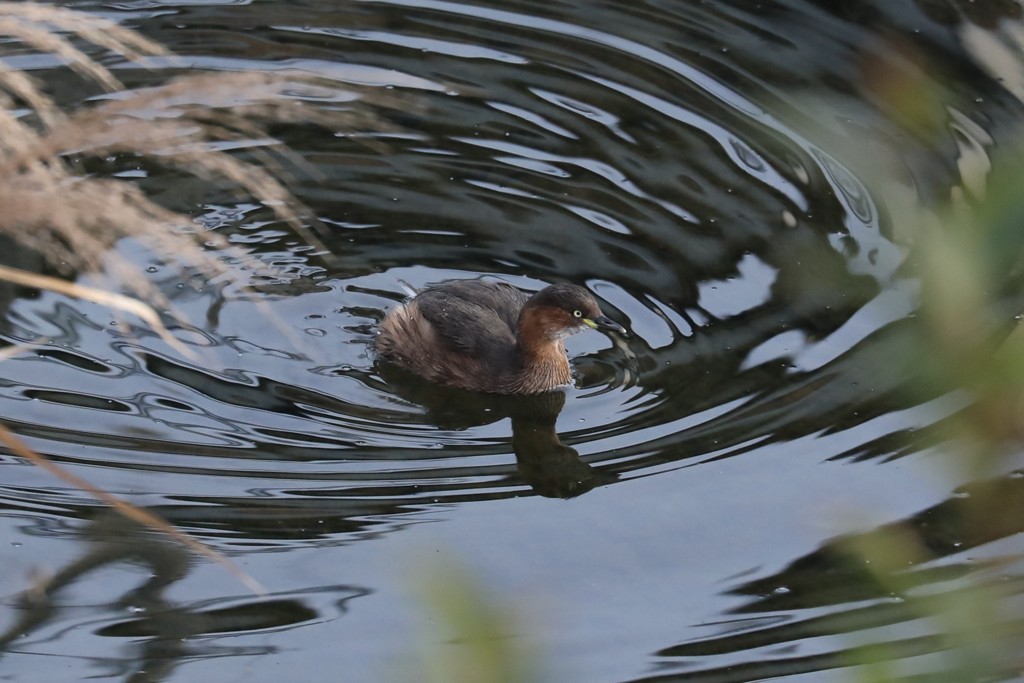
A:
(542, 361)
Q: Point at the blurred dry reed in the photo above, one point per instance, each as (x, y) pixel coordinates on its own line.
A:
(73, 219)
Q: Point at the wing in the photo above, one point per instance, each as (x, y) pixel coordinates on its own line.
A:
(477, 318)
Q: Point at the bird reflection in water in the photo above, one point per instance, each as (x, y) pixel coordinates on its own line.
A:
(551, 468)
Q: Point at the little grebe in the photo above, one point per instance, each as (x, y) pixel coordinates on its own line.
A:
(489, 336)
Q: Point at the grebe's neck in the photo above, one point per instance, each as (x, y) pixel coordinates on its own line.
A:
(541, 362)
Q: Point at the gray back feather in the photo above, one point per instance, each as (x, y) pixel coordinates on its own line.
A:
(477, 317)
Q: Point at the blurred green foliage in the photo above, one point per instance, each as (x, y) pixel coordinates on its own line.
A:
(471, 638)
(967, 253)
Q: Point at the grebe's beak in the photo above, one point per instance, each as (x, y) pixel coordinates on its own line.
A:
(605, 323)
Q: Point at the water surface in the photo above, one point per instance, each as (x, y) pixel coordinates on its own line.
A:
(672, 516)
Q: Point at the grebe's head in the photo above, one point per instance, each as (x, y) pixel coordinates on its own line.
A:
(560, 310)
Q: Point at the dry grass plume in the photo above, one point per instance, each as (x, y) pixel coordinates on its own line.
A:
(72, 219)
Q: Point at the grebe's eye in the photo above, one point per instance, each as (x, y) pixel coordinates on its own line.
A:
(577, 313)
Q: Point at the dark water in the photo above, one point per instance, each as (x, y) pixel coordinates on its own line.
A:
(669, 518)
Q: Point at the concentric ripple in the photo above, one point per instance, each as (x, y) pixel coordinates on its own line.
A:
(731, 247)
(668, 156)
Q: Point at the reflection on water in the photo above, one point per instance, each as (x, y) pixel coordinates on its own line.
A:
(834, 591)
(547, 465)
(680, 162)
(163, 634)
